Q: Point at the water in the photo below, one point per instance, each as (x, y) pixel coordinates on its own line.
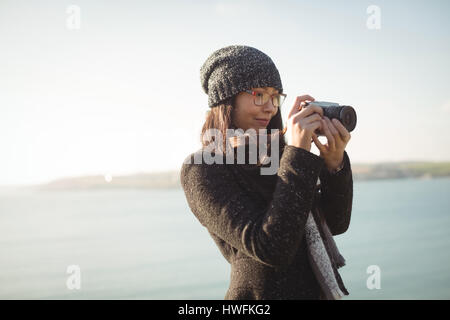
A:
(146, 244)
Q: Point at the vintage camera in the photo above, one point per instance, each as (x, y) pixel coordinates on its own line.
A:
(345, 114)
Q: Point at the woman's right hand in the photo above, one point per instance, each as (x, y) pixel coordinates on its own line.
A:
(302, 122)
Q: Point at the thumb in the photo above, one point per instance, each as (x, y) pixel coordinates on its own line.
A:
(317, 142)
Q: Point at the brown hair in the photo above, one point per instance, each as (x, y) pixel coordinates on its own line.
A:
(220, 117)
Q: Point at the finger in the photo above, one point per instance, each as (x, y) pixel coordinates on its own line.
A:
(329, 135)
(311, 118)
(306, 97)
(295, 108)
(342, 130)
(313, 126)
(307, 111)
(333, 129)
(315, 108)
(337, 137)
(318, 144)
(297, 104)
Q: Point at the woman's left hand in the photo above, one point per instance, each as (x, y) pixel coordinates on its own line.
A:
(338, 137)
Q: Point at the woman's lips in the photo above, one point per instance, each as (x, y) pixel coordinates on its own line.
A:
(263, 122)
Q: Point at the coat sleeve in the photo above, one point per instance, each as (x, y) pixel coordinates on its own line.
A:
(270, 236)
(337, 197)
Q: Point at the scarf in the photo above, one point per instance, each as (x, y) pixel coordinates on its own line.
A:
(324, 256)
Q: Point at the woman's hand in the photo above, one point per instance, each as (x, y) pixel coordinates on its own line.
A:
(338, 137)
(302, 122)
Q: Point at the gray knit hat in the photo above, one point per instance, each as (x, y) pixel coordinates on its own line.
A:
(236, 68)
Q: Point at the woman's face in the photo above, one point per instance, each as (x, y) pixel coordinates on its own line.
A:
(246, 114)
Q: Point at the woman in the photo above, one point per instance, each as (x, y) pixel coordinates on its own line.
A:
(275, 230)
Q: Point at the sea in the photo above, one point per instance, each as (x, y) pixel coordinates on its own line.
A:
(147, 244)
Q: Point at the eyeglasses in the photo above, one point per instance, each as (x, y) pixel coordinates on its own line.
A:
(261, 98)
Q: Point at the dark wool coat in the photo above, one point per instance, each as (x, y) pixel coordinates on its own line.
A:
(258, 221)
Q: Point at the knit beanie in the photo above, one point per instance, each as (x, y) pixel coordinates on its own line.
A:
(233, 69)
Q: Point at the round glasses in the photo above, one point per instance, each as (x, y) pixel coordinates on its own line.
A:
(261, 98)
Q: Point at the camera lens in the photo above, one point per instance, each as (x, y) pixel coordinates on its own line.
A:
(348, 117)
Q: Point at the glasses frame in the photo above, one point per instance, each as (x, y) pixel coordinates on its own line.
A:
(253, 93)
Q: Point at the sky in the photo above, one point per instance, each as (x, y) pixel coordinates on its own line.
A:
(118, 91)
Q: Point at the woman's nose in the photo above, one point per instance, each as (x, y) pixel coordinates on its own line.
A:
(269, 107)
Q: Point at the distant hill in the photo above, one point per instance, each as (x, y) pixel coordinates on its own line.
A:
(170, 179)
(398, 170)
(160, 180)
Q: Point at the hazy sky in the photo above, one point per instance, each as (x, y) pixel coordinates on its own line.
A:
(122, 94)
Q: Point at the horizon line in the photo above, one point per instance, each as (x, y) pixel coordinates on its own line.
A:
(177, 170)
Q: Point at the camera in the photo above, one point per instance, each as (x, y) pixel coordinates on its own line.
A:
(345, 114)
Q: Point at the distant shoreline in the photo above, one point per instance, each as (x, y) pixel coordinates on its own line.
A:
(170, 179)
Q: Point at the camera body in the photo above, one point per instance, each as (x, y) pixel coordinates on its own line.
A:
(345, 114)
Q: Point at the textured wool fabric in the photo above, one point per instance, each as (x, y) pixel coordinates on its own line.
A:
(258, 221)
(322, 261)
(236, 68)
